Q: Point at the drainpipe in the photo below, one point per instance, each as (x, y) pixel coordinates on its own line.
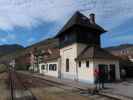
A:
(77, 71)
(94, 69)
(59, 61)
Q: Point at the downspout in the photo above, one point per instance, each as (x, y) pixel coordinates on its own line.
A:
(59, 60)
(94, 70)
(76, 70)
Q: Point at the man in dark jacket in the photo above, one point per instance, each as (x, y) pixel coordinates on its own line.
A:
(102, 75)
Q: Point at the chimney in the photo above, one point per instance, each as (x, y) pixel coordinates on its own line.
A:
(92, 18)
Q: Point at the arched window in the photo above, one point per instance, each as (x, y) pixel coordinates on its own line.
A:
(67, 65)
(43, 67)
(87, 63)
(79, 63)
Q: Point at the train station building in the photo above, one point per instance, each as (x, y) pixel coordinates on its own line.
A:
(78, 52)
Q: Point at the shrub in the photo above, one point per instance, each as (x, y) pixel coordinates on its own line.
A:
(3, 68)
(21, 67)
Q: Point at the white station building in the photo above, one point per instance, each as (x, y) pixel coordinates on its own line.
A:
(79, 52)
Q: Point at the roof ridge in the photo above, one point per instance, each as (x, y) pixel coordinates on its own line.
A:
(80, 19)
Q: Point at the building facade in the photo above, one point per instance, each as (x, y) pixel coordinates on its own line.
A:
(79, 52)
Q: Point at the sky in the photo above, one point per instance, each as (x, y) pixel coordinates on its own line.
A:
(27, 22)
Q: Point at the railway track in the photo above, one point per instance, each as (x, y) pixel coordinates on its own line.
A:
(18, 90)
(19, 84)
(39, 81)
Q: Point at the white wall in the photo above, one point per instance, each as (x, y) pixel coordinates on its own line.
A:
(70, 52)
(41, 70)
(86, 74)
(49, 72)
(131, 60)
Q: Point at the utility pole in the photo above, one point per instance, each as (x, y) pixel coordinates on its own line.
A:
(12, 68)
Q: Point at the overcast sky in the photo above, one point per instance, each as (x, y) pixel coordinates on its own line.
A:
(28, 21)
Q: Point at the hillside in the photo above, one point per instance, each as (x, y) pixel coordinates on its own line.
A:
(48, 43)
(119, 47)
(8, 49)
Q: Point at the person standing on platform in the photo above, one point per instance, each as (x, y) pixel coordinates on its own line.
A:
(97, 80)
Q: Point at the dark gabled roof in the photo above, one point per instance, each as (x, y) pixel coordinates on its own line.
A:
(55, 54)
(81, 20)
(95, 52)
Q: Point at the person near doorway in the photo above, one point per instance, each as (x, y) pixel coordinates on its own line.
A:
(102, 75)
(97, 80)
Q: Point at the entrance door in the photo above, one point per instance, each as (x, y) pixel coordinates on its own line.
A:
(104, 69)
(112, 72)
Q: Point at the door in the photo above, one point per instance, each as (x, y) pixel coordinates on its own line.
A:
(112, 72)
(104, 69)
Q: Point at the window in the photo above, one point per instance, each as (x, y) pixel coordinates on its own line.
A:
(79, 63)
(43, 67)
(124, 52)
(52, 67)
(67, 65)
(66, 38)
(87, 63)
